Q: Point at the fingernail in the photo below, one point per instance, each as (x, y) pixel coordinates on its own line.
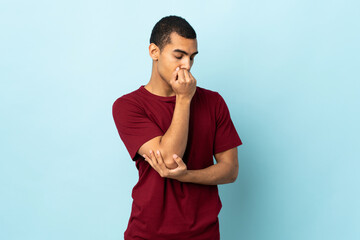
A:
(177, 68)
(150, 151)
(158, 152)
(175, 156)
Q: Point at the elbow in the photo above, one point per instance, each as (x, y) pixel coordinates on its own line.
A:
(167, 156)
(233, 179)
(170, 163)
(168, 159)
(234, 174)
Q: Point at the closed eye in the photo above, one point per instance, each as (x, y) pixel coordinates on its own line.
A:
(181, 58)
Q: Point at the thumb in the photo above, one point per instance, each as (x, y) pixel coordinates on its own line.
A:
(177, 159)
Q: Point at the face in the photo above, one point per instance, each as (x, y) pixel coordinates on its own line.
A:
(180, 52)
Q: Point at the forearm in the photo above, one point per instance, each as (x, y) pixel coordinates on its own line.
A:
(175, 138)
(220, 173)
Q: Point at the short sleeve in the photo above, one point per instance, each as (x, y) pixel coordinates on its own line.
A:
(226, 136)
(134, 126)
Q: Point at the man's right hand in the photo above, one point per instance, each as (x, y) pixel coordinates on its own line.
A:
(183, 83)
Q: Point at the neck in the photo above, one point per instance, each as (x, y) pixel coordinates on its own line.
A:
(158, 85)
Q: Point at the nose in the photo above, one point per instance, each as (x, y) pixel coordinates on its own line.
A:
(186, 64)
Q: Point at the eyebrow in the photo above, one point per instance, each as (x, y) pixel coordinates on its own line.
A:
(182, 51)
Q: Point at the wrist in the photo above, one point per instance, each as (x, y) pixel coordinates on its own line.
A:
(184, 177)
(183, 99)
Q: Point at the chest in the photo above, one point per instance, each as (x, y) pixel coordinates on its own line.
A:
(201, 120)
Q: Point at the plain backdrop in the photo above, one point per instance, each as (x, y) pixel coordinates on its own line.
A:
(288, 70)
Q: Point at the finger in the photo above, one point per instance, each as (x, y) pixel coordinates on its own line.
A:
(192, 77)
(178, 160)
(174, 76)
(187, 76)
(153, 158)
(154, 165)
(160, 161)
(146, 157)
(160, 166)
(181, 76)
(159, 157)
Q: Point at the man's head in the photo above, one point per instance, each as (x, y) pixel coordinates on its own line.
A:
(160, 34)
(172, 44)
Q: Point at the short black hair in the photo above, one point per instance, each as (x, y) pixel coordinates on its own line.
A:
(160, 34)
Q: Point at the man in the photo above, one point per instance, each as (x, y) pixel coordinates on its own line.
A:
(172, 129)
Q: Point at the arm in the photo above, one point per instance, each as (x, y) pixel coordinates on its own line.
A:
(225, 171)
(175, 138)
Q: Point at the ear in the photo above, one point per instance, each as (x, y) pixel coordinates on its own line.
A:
(154, 51)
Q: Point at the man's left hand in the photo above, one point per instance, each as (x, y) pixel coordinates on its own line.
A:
(157, 163)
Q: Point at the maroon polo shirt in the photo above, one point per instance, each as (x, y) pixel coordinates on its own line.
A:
(163, 208)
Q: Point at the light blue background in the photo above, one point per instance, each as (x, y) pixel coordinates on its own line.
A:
(288, 70)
